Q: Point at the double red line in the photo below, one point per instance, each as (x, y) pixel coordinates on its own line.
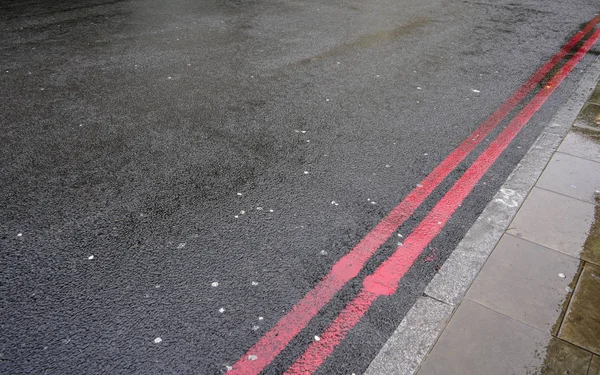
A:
(386, 277)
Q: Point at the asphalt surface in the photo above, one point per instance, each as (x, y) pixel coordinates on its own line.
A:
(134, 132)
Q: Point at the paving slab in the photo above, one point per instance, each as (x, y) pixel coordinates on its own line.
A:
(572, 176)
(553, 220)
(591, 248)
(525, 281)
(581, 325)
(583, 143)
(594, 366)
(564, 358)
(589, 117)
(481, 341)
(595, 98)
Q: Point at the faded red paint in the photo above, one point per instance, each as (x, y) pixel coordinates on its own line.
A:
(319, 350)
(386, 277)
(348, 267)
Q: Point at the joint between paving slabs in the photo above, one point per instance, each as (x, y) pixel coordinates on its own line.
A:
(439, 300)
(567, 303)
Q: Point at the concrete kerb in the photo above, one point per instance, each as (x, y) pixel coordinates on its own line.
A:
(405, 350)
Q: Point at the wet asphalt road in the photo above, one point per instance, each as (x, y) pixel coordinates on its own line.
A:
(134, 132)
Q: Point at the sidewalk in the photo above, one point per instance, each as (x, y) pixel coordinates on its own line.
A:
(534, 308)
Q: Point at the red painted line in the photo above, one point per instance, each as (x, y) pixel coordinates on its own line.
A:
(385, 279)
(277, 338)
(347, 267)
(320, 350)
(334, 334)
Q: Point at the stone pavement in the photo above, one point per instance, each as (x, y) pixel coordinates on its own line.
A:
(534, 308)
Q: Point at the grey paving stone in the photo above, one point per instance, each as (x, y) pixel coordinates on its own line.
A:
(481, 341)
(525, 281)
(595, 98)
(582, 143)
(405, 349)
(563, 358)
(553, 220)
(589, 117)
(581, 325)
(573, 176)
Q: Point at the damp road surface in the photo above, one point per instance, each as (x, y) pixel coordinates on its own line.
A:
(176, 175)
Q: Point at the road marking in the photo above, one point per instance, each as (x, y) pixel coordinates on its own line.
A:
(348, 267)
(384, 281)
